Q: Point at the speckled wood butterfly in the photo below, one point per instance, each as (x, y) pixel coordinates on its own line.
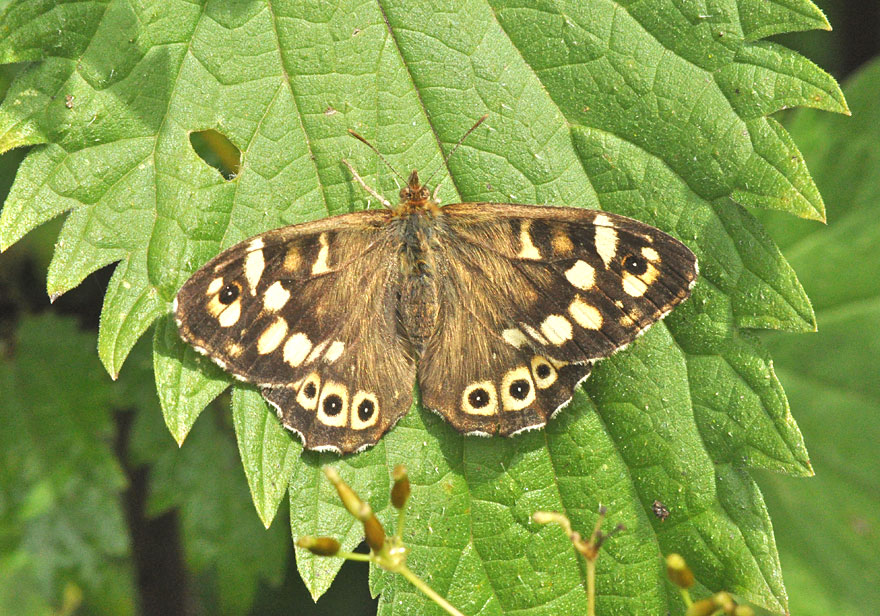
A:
(498, 310)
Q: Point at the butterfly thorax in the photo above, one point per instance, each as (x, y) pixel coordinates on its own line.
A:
(418, 224)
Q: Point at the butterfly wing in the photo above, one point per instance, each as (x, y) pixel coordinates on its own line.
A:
(530, 296)
(307, 313)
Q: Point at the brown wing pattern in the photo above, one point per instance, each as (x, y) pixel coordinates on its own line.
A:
(530, 296)
(308, 313)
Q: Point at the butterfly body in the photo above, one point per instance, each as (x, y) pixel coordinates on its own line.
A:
(497, 310)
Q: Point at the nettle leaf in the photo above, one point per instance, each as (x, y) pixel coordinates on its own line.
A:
(62, 522)
(656, 110)
(827, 539)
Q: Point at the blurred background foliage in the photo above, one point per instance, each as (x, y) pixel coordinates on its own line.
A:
(101, 513)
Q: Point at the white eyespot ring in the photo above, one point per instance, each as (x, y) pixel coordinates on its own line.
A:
(543, 372)
(333, 405)
(480, 399)
(364, 410)
(517, 389)
(309, 391)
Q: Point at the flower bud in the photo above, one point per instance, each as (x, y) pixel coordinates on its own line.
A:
(703, 607)
(400, 490)
(348, 496)
(678, 571)
(320, 546)
(373, 531)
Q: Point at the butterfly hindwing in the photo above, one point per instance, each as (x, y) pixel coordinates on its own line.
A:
(286, 310)
(530, 297)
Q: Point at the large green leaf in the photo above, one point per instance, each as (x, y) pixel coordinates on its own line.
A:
(657, 110)
(828, 532)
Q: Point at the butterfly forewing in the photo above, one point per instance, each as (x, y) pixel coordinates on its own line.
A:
(531, 296)
(287, 311)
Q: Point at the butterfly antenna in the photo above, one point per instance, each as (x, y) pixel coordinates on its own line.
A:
(452, 151)
(372, 147)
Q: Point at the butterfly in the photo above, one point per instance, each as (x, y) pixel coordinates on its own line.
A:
(497, 310)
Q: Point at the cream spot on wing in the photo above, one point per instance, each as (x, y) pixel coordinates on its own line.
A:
(581, 275)
(633, 285)
(562, 244)
(320, 265)
(215, 286)
(480, 399)
(230, 314)
(272, 336)
(275, 297)
(292, 260)
(517, 389)
(308, 392)
(528, 250)
(334, 351)
(531, 331)
(606, 239)
(333, 405)
(557, 329)
(364, 410)
(233, 349)
(317, 351)
(650, 254)
(543, 372)
(584, 314)
(637, 285)
(253, 268)
(296, 349)
(515, 338)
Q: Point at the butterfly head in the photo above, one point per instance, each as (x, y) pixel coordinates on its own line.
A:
(415, 197)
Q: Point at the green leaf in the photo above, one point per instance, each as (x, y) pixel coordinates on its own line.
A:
(61, 517)
(656, 110)
(827, 527)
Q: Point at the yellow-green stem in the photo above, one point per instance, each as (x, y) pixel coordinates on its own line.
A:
(430, 592)
(591, 587)
(686, 596)
(401, 518)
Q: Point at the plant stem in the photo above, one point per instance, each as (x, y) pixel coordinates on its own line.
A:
(686, 596)
(591, 587)
(401, 518)
(430, 592)
(364, 558)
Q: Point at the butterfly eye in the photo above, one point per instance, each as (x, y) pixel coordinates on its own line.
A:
(635, 265)
(228, 294)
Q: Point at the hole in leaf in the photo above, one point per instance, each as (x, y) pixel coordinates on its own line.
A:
(218, 151)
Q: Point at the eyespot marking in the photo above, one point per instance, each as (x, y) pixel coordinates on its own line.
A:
(364, 410)
(637, 285)
(517, 389)
(275, 297)
(307, 397)
(584, 314)
(272, 336)
(606, 239)
(296, 349)
(543, 372)
(528, 249)
(333, 405)
(581, 275)
(480, 399)
(557, 329)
